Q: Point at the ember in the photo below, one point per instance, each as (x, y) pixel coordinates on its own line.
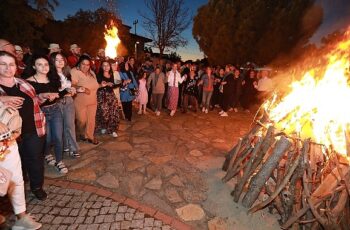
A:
(294, 158)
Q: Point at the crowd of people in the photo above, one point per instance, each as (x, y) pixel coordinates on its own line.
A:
(63, 99)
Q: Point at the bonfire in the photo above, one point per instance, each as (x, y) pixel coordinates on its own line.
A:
(295, 158)
(112, 40)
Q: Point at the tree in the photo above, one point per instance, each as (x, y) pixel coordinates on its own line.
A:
(258, 31)
(20, 23)
(165, 23)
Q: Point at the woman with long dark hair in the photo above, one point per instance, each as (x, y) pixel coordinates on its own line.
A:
(107, 115)
(46, 80)
(70, 145)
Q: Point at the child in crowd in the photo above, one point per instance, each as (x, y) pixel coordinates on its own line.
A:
(142, 98)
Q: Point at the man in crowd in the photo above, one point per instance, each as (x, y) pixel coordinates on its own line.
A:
(75, 52)
(53, 47)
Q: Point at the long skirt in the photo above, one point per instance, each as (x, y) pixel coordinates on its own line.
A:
(173, 96)
(107, 114)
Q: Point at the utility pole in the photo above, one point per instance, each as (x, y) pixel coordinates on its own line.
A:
(135, 23)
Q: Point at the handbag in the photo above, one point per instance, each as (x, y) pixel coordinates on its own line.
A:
(11, 118)
(134, 92)
(5, 178)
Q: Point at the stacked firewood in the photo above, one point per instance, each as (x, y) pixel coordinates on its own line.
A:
(305, 182)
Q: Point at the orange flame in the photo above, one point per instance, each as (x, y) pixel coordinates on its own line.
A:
(317, 106)
(112, 39)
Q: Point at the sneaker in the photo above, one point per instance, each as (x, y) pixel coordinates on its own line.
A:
(203, 109)
(236, 110)
(50, 160)
(172, 113)
(247, 111)
(26, 223)
(103, 131)
(144, 112)
(74, 154)
(224, 114)
(139, 112)
(158, 113)
(114, 134)
(231, 109)
(61, 167)
(206, 111)
(40, 194)
(221, 112)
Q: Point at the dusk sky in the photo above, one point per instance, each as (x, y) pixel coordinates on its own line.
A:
(336, 15)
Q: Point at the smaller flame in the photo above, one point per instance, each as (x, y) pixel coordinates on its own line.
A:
(112, 39)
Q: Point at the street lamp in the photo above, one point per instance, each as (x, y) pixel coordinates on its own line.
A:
(136, 43)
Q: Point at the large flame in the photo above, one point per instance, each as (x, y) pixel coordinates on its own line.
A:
(112, 39)
(318, 106)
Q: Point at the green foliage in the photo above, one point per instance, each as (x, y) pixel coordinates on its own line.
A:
(237, 31)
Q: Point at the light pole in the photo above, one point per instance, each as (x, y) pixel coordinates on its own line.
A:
(135, 23)
(136, 43)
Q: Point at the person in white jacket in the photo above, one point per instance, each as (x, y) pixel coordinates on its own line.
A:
(174, 79)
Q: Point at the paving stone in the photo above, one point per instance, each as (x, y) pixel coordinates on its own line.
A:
(74, 212)
(139, 215)
(89, 220)
(104, 210)
(93, 227)
(128, 216)
(149, 222)
(137, 224)
(99, 219)
(93, 212)
(108, 181)
(119, 217)
(47, 218)
(176, 180)
(122, 209)
(65, 211)
(57, 220)
(97, 205)
(125, 225)
(154, 184)
(105, 226)
(79, 220)
(190, 212)
(68, 220)
(109, 219)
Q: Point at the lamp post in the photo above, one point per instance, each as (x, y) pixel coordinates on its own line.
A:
(135, 23)
(136, 43)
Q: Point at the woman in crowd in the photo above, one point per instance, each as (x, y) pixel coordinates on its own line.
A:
(207, 81)
(190, 92)
(249, 91)
(84, 79)
(157, 81)
(70, 144)
(128, 90)
(174, 79)
(227, 89)
(32, 139)
(117, 79)
(107, 115)
(23, 97)
(237, 90)
(142, 97)
(46, 80)
(217, 95)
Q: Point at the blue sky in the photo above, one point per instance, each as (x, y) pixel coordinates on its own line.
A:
(129, 10)
(336, 15)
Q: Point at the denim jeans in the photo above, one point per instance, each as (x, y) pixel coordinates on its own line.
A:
(206, 99)
(54, 130)
(69, 135)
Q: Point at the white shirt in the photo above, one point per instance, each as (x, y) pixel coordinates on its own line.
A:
(65, 83)
(178, 79)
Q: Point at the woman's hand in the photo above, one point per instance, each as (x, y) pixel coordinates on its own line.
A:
(49, 96)
(72, 91)
(103, 84)
(15, 102)
(223, 83)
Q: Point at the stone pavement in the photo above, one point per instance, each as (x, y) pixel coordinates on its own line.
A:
(171, 165)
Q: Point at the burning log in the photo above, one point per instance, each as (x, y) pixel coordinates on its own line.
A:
(282, 168)
(296, 158)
